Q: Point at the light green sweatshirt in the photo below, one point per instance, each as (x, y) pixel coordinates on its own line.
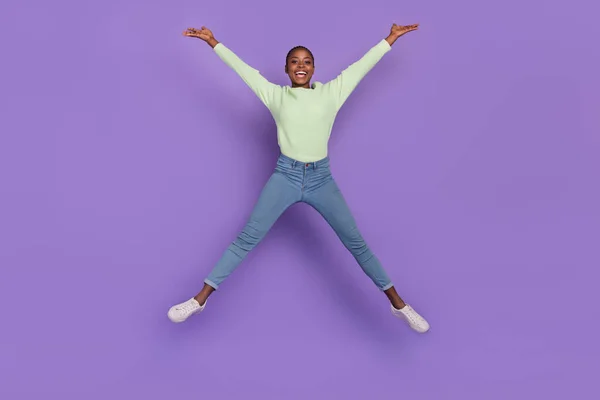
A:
(304, 117)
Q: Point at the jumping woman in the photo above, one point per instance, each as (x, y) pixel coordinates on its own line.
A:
(304, 114)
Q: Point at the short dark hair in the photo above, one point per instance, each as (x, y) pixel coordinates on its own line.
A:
(289, 54)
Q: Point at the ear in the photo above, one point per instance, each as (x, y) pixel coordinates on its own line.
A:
(286, 68)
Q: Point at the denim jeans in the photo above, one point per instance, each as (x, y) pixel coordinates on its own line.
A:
(293, 182)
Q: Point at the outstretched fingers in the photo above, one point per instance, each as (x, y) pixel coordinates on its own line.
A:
(407, 28)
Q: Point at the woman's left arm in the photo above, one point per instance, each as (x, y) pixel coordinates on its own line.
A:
(344, 84)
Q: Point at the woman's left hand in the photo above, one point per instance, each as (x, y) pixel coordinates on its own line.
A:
(399, 30)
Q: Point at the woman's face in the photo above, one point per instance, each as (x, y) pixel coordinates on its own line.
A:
(300, 68)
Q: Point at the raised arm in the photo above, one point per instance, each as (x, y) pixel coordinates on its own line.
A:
(344, 84)
(264, 89)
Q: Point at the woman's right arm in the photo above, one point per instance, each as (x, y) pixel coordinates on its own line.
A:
(265, 90)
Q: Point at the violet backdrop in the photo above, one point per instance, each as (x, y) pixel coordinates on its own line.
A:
(131, 157)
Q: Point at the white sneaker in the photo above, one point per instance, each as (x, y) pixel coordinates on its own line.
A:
(182, 311)
(414, 320)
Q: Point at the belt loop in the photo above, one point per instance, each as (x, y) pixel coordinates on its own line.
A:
(294, 164)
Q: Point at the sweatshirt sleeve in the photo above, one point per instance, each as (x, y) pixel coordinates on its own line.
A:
(264, 89)
(344, 84)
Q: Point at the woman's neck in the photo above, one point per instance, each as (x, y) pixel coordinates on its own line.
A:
(307, 86)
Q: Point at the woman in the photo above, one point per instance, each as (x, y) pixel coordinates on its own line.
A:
(304, 115)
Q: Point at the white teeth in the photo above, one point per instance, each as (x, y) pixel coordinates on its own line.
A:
(301, 73)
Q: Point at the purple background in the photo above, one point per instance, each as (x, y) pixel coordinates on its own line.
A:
(131, 156)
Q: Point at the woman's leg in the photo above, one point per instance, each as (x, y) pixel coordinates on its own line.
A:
(330, 203)
(278, 194)
(276, 197)
(327, 199)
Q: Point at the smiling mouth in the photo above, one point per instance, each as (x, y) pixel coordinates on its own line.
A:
(301, 74)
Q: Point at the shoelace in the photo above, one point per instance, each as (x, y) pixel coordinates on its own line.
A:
(411, 315)
(187, 307)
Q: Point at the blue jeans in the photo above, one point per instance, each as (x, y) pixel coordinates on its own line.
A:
(293, 182)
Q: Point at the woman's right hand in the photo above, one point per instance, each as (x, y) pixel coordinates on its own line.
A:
(203, 33)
